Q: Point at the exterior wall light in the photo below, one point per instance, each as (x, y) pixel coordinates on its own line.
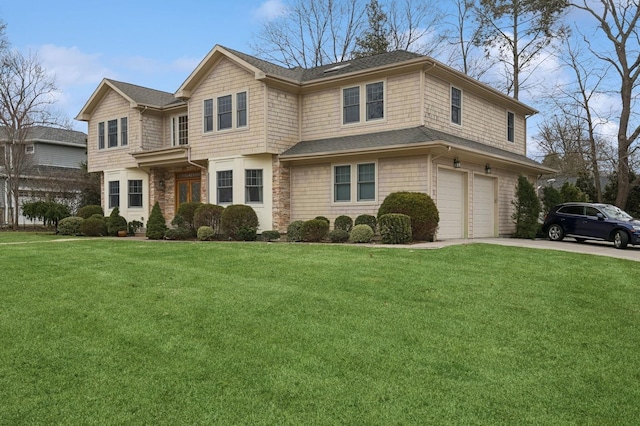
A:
(487, 169)
(456, 163)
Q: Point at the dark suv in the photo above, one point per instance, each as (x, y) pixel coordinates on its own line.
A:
(586, 221)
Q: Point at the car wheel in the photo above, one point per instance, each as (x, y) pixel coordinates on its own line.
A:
(555, 232)
(620, 239)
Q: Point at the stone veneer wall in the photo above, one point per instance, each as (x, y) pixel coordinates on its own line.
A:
(281, 195)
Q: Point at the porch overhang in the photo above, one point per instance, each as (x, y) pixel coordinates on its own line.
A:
(177, 155)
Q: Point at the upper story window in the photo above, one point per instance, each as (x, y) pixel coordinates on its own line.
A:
(180, 130)
(456, 105)
(111, 135)
(511, 126)
(371, 107)
(29, 149)
(364, 182)
(224, 186)
(231, 112)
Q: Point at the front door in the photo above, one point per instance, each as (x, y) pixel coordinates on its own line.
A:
(187, 188)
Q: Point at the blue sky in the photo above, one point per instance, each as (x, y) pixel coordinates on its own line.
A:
(150, 43)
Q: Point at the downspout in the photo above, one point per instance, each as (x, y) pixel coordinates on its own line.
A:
(206, 169)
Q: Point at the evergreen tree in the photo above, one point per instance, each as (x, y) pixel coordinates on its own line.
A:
(527, 209)
(375, 39)
(156, 225)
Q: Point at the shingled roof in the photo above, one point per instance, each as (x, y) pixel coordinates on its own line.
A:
(55, 135)
(145, 96)
(395, 139)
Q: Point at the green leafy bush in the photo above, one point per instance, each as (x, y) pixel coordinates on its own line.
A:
(314, 230)
(156, 225)
(247, 234)
(93, 226)
(209, 215)
(134, 226)
(526, 209)
(116, 223)
(551, 198)
(180, 233)
(367, 219)
(419, 207)
(343, 222)
(361, 234)
(270, 235)
(49, 212)
(323, 218)
(237, 217)
(206, 233)
(70, 225)
(294, 231)
(338, 236)
(87, 211)
(395, 228)
(188, 212)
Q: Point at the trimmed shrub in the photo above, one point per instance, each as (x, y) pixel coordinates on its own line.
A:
(209, 215)
(419, 207)
(70, 225)
(188, 212)
(237, 217)
(93, 226)
(361, 234)
(367, 219)
(343, 222)
(527, 208)
(338, 236)
(322, 218)
(314, 230)
(156, 225)
(116, 222)
(134, 226)
(270, 235)
(178, 234)
(395, 228)
(294, 231)
(206, 233)
(87, 211)
(247, 234)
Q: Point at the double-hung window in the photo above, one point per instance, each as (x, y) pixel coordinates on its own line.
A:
(342, 183)
(364, 182)
(351, 105)
(112, 133)
(456, 105)
(510, 127)
(253, 186)
(101, 135)
(241, 109)
(208, 115)
(180, 130)
(375, 101)
(224, 183)
(363, 101)
(225, 112)
(135, 193)
(114, 194)
(124, 132)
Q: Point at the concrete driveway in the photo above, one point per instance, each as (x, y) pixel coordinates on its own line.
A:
(569, 244)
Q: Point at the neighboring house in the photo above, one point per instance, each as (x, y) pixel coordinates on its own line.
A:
(298, 143)
(53, 158)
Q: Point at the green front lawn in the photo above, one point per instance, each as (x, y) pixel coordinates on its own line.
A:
(135, 332)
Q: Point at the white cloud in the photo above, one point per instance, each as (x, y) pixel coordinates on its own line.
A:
(71, 67)
(269, 10)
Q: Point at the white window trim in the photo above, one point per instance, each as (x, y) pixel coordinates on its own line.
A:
(213, 117)
(461, 106)
(119, 144)
(174, 125)
(354, 184)
(29, 149)
(234, 112)
(507, 126)
(363, 104)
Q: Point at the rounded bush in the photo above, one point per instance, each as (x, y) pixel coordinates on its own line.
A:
(156, 225)
(116, 223)
(209, 215)
(247, 234)
(294, 231)
(395, 228)
(270, 235)
(323, 218)
(343, 222)
(338, 236)
(367, 219)
(188, 212)
(178, 234)
(237, 217)
(70, 225)
(206, 233)
(314, 230)
(93, 226)
(419, 207)
(87, 211)
(361, 234)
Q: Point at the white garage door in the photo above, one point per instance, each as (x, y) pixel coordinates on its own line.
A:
(483, 207)
(450, 202)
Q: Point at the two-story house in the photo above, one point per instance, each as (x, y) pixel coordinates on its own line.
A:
(51, 160)
(298, 143)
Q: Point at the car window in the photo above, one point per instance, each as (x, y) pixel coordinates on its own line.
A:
(592, 211)
(572, 210)
(616, 213)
